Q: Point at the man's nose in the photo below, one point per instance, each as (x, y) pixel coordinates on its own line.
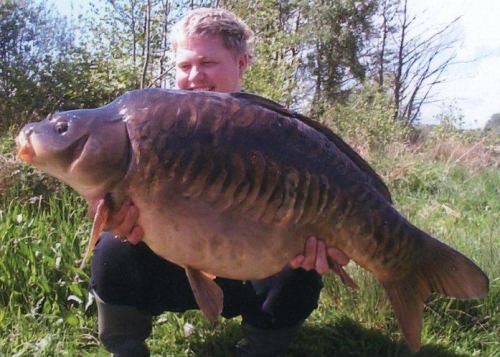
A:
(195, 73)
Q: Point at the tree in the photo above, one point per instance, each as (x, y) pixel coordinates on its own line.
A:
(409, 57)
(493, 124)
(34, 45)
(336, 34)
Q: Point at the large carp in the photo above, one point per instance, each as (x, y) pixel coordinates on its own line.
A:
(230, 185)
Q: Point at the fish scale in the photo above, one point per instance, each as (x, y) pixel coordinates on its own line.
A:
(232, 185)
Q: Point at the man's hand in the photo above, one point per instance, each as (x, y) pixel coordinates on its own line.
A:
(124, 222)
(316, 256)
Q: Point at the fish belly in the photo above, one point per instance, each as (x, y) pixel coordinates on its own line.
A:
(225, 244)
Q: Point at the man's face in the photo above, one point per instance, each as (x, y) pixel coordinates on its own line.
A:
(203, 63)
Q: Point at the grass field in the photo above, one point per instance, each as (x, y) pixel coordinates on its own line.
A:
(46, 309)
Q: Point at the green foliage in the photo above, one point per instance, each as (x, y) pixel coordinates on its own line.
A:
(424, 178)
(366, 119)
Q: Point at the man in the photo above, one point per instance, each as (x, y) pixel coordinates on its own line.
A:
(132, 284)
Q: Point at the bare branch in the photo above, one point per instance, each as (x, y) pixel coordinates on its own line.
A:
(415, 60)
(147, 40)
(160, 76)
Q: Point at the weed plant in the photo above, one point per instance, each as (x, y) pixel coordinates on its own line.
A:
(46, 308)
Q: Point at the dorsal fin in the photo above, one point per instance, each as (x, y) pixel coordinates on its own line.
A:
(376, 180)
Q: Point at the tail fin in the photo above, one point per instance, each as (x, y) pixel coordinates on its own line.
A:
(439, 269)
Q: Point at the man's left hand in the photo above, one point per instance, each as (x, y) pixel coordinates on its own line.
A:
(316, 256)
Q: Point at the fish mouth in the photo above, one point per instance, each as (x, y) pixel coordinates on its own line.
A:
(25, 151)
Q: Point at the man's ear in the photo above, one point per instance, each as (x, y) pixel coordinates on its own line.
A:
(243, 61)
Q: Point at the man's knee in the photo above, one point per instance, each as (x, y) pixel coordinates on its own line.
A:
(127, 274)
(114, 273)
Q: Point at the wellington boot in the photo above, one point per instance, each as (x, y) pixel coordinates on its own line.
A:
(123, 329)
(266, 343)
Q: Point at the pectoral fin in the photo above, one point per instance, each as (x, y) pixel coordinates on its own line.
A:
(207, 293)
(344, 277)
(100, 220)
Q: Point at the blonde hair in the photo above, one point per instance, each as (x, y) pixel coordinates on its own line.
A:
(235, 34)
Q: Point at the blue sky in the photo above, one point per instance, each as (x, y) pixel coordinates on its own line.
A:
(472, 84)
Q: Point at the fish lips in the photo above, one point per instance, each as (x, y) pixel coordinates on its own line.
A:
(25, 151)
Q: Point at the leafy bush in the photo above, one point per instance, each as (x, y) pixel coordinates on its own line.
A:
(367, 119)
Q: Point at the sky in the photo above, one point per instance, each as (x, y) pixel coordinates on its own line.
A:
(471, 84)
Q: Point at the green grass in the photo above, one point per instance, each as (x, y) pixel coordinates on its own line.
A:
(46, 310)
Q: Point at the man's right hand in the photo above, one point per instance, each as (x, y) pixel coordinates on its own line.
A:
(123, 223)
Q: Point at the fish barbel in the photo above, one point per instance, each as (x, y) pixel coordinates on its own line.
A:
(230, 185)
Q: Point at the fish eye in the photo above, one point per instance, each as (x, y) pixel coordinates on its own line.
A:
(61, 127)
